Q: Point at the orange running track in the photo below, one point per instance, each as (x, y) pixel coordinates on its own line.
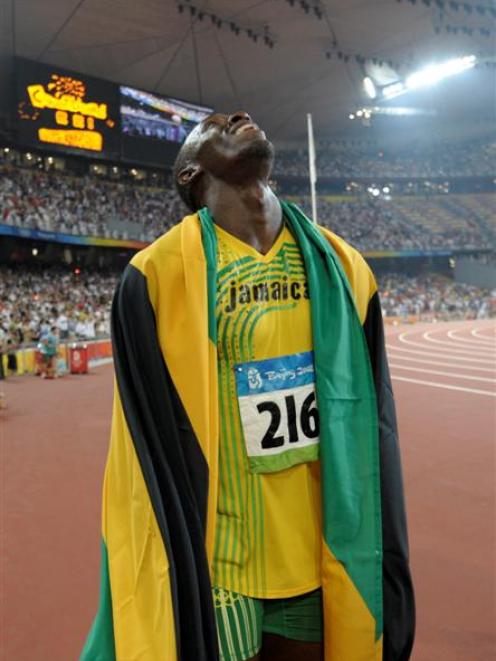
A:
(53, 442)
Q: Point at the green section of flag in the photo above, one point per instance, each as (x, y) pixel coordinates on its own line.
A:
(100, 644)
(349, 447)
(209, 240)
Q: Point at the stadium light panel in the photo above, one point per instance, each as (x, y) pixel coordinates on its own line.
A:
(397, 111)
(393, 90)
(433, 74)
(369, 87)
(429, 75)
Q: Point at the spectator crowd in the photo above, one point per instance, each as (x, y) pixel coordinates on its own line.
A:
(33, 301)
(434, 296)
(477, 158)
(378, 224)
(60, 304)
(85, 205)
(92, 206)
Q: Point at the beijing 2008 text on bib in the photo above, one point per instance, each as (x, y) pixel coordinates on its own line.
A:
(278, 411)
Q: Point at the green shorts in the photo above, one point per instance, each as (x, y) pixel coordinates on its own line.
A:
(241, 621)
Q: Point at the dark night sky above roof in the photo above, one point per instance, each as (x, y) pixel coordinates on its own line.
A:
(150, 45)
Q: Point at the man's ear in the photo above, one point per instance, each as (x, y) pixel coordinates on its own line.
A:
(189, 174)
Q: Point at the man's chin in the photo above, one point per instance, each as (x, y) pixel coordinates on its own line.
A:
(258, 149)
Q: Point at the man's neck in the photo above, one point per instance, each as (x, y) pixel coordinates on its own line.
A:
(250, 212)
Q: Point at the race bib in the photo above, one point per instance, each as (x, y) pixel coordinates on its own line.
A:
(278, 411)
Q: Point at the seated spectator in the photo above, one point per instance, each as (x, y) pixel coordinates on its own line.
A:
(467, 159)
(432, 296)
(91, 206)
(85, 205)
(33, 300)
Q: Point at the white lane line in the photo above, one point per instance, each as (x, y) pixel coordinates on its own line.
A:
(455, 376)
(434, 362)
(484, 337)
(437, 355)
(457, 347)
(402, 337)
(432, 384)
(466, 340)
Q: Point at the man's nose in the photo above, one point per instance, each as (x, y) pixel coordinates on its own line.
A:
(236, 117)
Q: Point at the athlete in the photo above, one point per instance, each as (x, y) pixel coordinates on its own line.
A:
(253, 504)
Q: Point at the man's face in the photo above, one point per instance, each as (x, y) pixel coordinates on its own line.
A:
(230, 146)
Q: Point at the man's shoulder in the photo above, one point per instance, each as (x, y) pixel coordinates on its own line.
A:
(166, 244)
(163, 250)
(344, 249)
(358, 272)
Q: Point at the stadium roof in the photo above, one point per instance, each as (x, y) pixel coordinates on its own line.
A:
(150, 44)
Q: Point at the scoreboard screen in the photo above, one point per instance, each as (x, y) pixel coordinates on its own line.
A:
(67, 111)
(64, 111)
(154, 127)
(148, 115)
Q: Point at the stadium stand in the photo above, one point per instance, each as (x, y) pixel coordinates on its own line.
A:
(90, 205)
(85, 205)
(405, 223)
(432, 296)
(474, 158)
(33, 299)
(32, 196)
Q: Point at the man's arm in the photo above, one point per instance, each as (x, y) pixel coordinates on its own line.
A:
(399, 603)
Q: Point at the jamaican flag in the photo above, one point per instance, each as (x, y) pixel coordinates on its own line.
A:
(160, 487)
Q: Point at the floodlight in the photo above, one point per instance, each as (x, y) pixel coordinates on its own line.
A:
(433, 74)
(369, 87)
(397, 111)
(395, 89)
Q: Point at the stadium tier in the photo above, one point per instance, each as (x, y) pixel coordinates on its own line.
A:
(470, 159)
(432, 296)
(84, 205)
(405, 223)
(92, 206)
(34, 299)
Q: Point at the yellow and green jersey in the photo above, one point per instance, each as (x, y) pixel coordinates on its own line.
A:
(268, 531)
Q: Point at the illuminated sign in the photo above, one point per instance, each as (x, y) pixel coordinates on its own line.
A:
(78, 139)
(66, 101)
(59, 108)
(146, 115)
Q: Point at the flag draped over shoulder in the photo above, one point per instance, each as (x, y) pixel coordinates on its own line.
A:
(160, 487)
